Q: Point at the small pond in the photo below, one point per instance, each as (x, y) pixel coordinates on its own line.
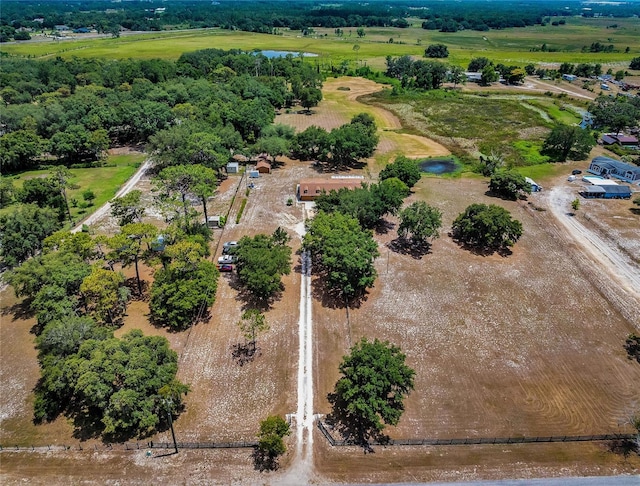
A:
(438, 166)
(271, 54)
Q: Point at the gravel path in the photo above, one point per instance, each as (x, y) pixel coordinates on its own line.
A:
(301, 471)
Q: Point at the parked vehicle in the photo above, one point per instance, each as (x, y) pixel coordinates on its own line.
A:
(228, 246)
(226, 259)
(576, 172)
(227, 267)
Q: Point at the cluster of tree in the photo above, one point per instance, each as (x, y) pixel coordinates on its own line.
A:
(262, 261)
(568, 143)
(615, 113)
(367, 204)
(479, 16)
(107, 385)
(491, 72)
(241, 16)
(186, 286)
(197, 109)
(419, 74)
(342, 147)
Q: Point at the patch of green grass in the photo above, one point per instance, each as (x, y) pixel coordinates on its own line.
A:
(103, 181)
(529, 152)
(542, 171)
(557, 111)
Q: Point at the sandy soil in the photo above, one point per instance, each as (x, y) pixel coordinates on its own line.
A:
(529, 344)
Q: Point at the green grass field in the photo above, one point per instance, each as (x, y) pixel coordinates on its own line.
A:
(508, 46)
(103, 181)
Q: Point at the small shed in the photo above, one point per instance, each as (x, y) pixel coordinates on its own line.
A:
(263, 167)
(213, 222)
(254, 174)
(233, 168)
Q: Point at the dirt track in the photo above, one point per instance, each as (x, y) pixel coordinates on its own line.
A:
(619, 267)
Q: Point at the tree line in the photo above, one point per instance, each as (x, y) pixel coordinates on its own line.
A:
(72, 111)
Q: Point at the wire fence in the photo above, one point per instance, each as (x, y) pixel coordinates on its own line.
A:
(477, 440)
(131, 446)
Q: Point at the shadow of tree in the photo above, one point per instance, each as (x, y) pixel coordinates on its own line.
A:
(481, 250)
(333, 298)
(384, 227)
(263, 461)
(351, 427)
(415, 249)
(20, 311)
(243, 353)
(132, 285)
(623, 446)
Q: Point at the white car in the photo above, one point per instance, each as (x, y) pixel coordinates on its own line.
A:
(228, 245)
(227, 259)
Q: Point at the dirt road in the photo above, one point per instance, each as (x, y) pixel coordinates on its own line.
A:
(600, 251)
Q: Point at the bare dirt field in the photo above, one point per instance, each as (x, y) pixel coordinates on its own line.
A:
(529, 344)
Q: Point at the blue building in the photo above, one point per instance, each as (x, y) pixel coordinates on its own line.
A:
(607, 167)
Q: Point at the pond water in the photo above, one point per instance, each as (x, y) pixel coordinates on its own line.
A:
(438, 166)
(271, 54)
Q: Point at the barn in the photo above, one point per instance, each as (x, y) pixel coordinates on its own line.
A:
(607, 192)
(233, 168)
(309, 189)
(263, 167)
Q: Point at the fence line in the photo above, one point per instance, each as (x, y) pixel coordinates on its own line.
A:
(478, 440)
(131, 446)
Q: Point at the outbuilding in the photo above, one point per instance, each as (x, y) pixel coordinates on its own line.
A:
(607, 192)
(214, 222)
(263, 167)
(233, 168)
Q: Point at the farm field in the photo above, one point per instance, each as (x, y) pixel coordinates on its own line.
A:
(519, 345)
(508, 46)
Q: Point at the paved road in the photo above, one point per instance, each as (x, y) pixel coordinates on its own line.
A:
(571, 481)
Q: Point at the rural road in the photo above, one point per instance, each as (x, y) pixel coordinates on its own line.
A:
(103, 210)
(301, 471)
(602, 252)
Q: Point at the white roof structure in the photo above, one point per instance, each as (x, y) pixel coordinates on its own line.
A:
(599, 181)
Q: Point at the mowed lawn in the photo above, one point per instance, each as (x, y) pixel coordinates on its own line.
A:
(104, 182)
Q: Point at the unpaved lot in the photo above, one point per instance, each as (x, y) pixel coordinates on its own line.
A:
(528, 344)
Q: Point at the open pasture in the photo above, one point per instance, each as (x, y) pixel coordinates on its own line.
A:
(508, 46)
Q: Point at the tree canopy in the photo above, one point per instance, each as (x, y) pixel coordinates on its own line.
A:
(371, 391)
(419, 221)
(344, 251)
(184, 288)
(568, 142)
(262, 261)
(487, 228)
(509, 184)
(403, 168)
(23, 230)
